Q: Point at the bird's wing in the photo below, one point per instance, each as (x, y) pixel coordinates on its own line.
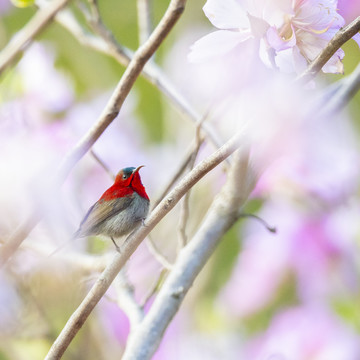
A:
(100, 212)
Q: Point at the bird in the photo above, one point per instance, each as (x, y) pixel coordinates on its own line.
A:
(120, 210)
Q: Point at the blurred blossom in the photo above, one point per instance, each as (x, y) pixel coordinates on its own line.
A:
(205, 83)
(305, 333)
(25, 164)
(310, 245)
(289, 34)
(293, 151)
(114, 320)
(319, 162)
(184, 340)
(32, 142)
(44, 87)
(5, 6)
(349, 9)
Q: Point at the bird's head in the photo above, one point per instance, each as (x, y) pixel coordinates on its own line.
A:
(126, 176)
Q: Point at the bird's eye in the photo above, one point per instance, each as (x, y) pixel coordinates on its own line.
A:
(124, 177)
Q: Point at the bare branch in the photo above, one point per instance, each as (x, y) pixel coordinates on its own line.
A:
(155, 287)
(80, 315)
(340, 38)
(223, 213)
(27, 34)
(111, 110)
(144, 19)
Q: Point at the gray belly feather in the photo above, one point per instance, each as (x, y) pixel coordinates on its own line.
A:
(128, 220)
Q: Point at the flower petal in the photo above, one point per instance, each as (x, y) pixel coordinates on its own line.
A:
(227, 14)
(216, 44)
(279, 43)
(290, 61)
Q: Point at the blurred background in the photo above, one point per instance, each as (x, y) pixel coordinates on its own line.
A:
(292, 295)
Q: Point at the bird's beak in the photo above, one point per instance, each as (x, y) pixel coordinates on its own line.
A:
(137, 169)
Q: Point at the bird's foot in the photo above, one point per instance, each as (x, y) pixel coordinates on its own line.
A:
(143, 222)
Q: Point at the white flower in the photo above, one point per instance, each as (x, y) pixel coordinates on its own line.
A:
(289, 33)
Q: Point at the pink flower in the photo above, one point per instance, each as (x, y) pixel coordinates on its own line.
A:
(289, 33)
(349, 9)
(312, 246)
(306, 333)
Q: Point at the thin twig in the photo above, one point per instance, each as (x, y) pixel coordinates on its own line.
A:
(269, 228)
(340, 38)
(111, 110)
(100, 287)
(179, 171)
(102, 164)
(157, 254)
(26, 35)
(184, 207)
(155, 287)
(95, 13)
(221, 216)
(144, 19)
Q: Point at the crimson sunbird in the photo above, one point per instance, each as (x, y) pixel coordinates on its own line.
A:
(121, 209)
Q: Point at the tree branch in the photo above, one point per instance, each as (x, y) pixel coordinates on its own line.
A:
(223, 213)
(26, 35)
(80, 315)
(111, 110)
(144, 19)
(340, 38)
(159, 257)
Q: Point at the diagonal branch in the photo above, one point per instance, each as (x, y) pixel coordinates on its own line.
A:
(111, 110)
(100, 287)
(223, 213)
(24, 37)
(105, 43)
(340, 38)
